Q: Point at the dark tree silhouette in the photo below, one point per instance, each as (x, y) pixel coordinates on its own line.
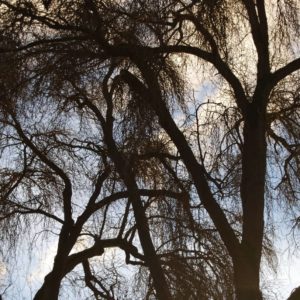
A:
(197, 191)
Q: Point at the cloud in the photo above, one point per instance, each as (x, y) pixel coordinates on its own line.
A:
(43, 266)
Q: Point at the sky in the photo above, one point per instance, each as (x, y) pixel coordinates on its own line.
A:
(287, 276)
(280, 283)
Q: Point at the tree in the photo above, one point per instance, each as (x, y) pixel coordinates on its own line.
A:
(136, 50)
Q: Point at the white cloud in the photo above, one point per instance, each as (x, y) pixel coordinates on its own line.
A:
(43, 266)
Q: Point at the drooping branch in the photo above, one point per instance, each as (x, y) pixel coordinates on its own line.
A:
(67, 192)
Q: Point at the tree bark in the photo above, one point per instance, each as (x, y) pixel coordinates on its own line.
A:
(247, 265)
(50, 288)
(246, 281)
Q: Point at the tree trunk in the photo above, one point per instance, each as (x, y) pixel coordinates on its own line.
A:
(247, 265)
(246, 280)
(50, 288)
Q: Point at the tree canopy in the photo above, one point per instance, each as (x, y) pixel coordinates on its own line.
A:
(149, 141)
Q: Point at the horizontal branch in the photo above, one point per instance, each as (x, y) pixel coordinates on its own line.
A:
(283, 72)
(98, 249)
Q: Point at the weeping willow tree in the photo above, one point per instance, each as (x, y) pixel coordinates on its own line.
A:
(100, 91)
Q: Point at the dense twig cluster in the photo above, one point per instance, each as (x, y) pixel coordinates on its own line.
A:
(104, 141)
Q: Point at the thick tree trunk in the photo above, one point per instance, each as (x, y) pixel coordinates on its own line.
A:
(247, 265)
(246, 280)
(52, 281)
(50, 287)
